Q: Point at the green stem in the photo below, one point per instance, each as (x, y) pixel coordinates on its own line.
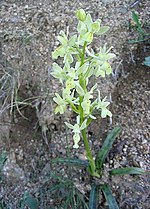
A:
(83, 54)
(88, 152)
(89, 156)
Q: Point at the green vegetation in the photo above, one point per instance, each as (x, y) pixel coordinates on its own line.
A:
(142, 35)
(79, 64)
(28, 200)
(147, 61)
(137, 26)
(3, 159)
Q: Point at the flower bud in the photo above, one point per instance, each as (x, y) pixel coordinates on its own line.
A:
(81, 15)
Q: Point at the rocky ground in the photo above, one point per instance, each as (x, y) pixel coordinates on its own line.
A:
(30, 132)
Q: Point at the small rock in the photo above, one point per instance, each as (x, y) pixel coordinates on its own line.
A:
(12, 171)
(57, 19)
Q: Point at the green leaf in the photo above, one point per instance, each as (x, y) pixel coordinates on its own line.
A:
(3, 158)
(29, 201)
(109, 197)
(124, 171)
(57, 187)
(135, 18)
(71, 161)
(94, 197)
(102, 154)
(147, 61)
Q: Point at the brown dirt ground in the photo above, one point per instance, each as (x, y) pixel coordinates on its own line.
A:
(34, 136)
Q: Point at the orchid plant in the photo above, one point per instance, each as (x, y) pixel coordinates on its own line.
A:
(79, 64)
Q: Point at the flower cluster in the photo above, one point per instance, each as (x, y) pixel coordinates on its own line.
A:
(79, 65)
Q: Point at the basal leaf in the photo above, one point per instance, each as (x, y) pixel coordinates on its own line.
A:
(124, 171)
(28, 200)
(94, 197)
(31, 202)
(102, 154)
(109, 197)
(3, 158)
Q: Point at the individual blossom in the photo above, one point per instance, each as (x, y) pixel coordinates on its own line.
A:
(100, 62)
(102, 70)
(61, 104)
(105, 54)
(58, 72)
(86, 104)
(76, 129)
(103, 104)
(66, 49)
(70, 83)
(86, 28)
(69, 97)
